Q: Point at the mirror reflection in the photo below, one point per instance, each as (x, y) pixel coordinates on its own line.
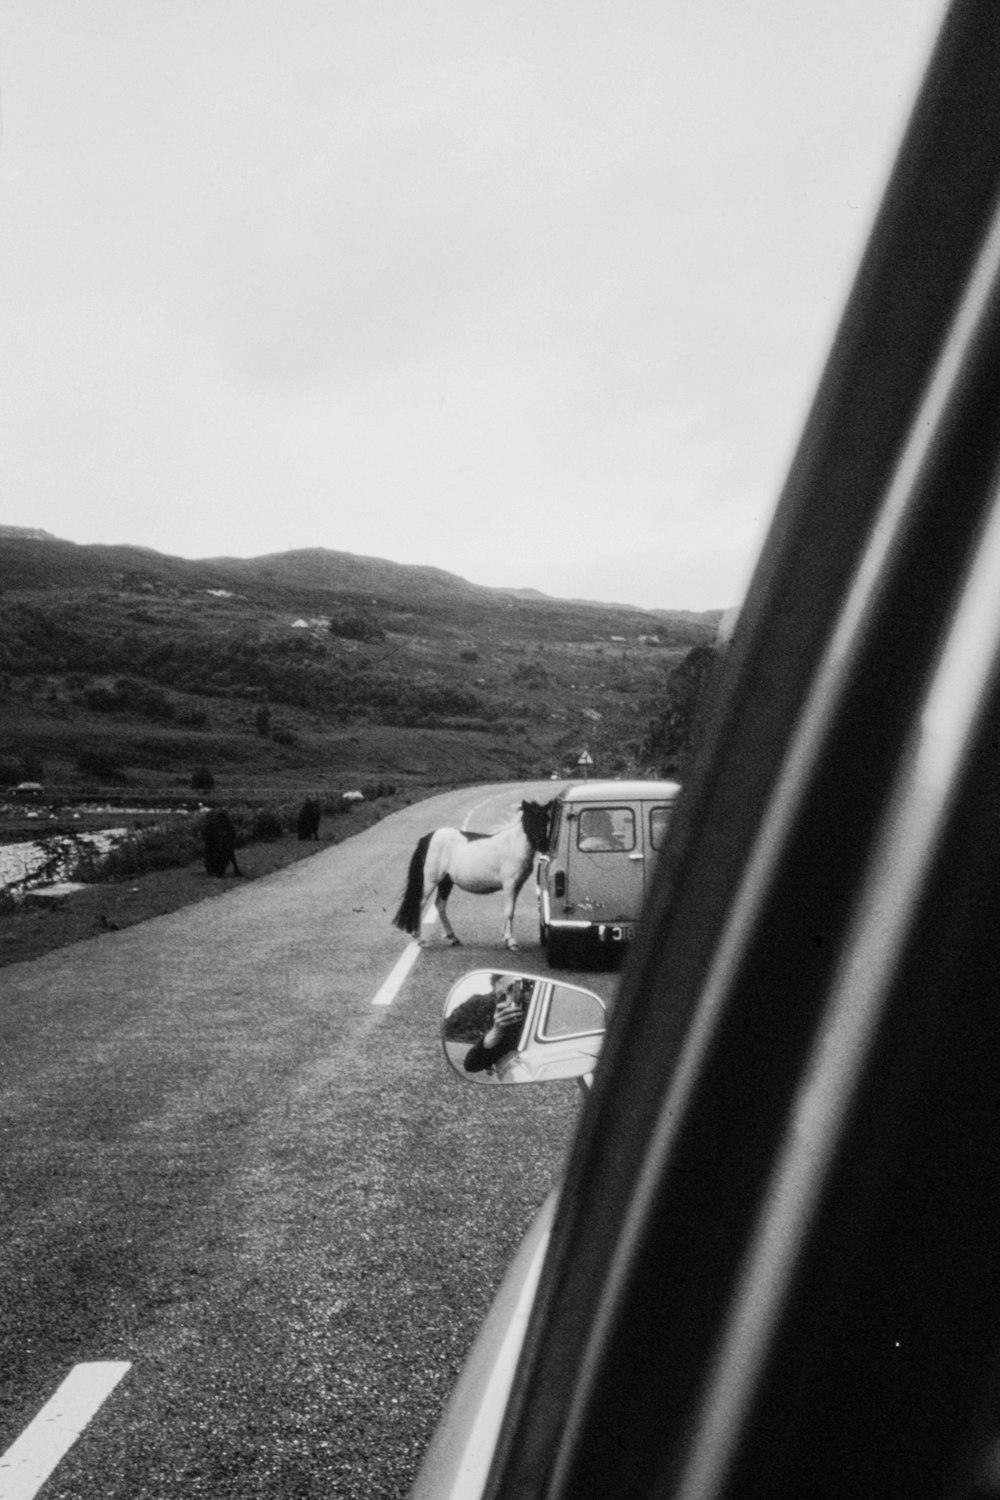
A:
(501, 1027)
(488, 1026)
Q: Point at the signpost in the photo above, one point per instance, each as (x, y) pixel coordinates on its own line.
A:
(585, 761)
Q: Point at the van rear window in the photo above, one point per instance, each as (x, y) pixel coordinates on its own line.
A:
(659, 822)
(606, 830)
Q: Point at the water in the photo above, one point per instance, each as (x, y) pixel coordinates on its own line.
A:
(32, 863)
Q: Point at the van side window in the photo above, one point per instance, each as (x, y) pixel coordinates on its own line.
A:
(606, 830)
(659, 822)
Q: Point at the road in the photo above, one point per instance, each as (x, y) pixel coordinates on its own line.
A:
(220, 1162)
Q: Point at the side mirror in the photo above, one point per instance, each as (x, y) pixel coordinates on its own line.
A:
(521, 1028)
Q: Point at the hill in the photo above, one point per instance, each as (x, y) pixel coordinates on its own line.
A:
(303, 667)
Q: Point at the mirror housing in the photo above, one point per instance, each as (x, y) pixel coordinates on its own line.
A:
(503, 1027)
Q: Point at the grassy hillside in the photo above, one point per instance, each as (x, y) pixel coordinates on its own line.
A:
(121, 666)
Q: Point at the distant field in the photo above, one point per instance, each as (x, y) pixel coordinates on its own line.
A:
(121, 669)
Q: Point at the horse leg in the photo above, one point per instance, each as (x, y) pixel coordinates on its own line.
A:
(429, 891)
(510, 894)
(444, 890)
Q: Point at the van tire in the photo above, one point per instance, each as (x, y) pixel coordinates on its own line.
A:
(560, 949)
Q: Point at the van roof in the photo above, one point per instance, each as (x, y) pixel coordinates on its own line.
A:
(616, 791)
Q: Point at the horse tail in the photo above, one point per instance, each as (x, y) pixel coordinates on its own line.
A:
(407, 919)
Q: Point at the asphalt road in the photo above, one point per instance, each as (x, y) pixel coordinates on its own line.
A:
(220, 1162)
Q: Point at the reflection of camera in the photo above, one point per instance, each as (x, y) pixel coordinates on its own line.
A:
(510, 1005)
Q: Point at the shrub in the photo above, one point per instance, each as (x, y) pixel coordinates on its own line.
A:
(99, 764)
(129, 696)
(10, 772)
(31, 769)
(101, 700)
(356, 627)
(266, 826)
(668, 742)
(284, 737)
(194, 718)
(160, 846)
(530, 675)
(202, 780)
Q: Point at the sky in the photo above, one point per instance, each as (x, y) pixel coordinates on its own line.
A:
(538, 291)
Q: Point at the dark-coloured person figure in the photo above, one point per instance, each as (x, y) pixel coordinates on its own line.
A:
(309, 816)
(219, 833)
(597, 832)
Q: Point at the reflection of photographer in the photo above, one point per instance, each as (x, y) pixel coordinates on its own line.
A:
(503, 1034)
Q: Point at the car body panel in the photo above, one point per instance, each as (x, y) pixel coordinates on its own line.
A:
(457, 1462)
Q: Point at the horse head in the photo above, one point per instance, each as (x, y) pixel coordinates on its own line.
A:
(536, 820)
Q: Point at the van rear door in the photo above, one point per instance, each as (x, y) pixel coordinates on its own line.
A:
(605, 859)
(656, 820)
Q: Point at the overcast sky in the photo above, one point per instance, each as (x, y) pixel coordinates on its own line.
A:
(535, 292)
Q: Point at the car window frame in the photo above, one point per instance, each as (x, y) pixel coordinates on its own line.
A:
(848, 595)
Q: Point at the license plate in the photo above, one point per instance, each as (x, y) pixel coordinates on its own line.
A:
(616, 932)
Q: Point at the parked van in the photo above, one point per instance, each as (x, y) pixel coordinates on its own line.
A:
(603, 843)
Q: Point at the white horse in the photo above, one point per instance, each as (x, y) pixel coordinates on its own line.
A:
(476, 862)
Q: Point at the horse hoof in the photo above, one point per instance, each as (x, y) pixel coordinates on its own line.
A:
(453, 942)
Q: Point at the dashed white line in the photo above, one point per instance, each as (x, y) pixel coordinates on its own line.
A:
(31, 1458)
(390, 989)
(492, 798)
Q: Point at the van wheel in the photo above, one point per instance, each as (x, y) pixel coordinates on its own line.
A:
(560, 949)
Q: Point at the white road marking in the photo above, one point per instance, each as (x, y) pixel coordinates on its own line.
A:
(493, 797)
(30, 1460)
(392, 985)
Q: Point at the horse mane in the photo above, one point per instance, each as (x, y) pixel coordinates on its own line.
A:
(536, 821)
